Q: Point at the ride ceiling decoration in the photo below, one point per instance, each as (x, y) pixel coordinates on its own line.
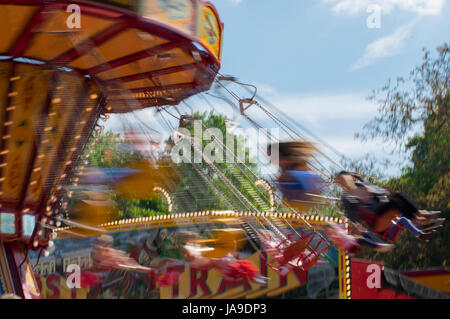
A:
(56, 81)
(158, 52)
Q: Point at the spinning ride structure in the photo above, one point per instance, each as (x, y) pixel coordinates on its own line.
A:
(66, 64)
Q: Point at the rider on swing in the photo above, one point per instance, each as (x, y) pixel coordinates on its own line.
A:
(379, 208)
(298, 183)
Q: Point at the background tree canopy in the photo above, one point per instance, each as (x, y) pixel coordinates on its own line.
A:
(414, 115)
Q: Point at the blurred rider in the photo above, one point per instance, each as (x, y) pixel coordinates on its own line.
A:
(300, 186)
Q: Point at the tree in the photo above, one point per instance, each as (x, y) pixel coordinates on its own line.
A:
(209, 185)
(414, 115)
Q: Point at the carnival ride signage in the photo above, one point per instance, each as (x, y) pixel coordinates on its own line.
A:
(148, 241)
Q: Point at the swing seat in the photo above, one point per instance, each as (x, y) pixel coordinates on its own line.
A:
(239, 270)
(391, 233)
(294, 253)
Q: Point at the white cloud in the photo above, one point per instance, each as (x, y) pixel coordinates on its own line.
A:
(318, 110)
(386, 46)
(333, 117)
(236, 2)
(420, 7)
(391, 44)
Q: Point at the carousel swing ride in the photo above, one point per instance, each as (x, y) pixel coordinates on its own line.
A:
(58, 82)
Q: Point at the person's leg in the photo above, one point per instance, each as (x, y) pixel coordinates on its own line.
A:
(406, 223)
(370, 236)
(367, 241)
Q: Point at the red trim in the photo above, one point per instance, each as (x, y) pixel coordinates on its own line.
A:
(392, 239)
(154, 73)
(25, 37)
(134, 57)
(87, 45)
(9, 205)
(106, 12)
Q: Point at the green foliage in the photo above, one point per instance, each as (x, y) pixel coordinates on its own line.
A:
(215, 194)
(109, 151)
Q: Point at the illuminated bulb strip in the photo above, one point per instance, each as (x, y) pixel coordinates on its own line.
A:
(11, 108)
(264, 184)
(166, 195)
(348, 277)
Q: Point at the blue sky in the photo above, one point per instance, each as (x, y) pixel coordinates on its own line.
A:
(310, 46)
(318, 60)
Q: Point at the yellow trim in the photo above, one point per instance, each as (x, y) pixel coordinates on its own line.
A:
(206, 217)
